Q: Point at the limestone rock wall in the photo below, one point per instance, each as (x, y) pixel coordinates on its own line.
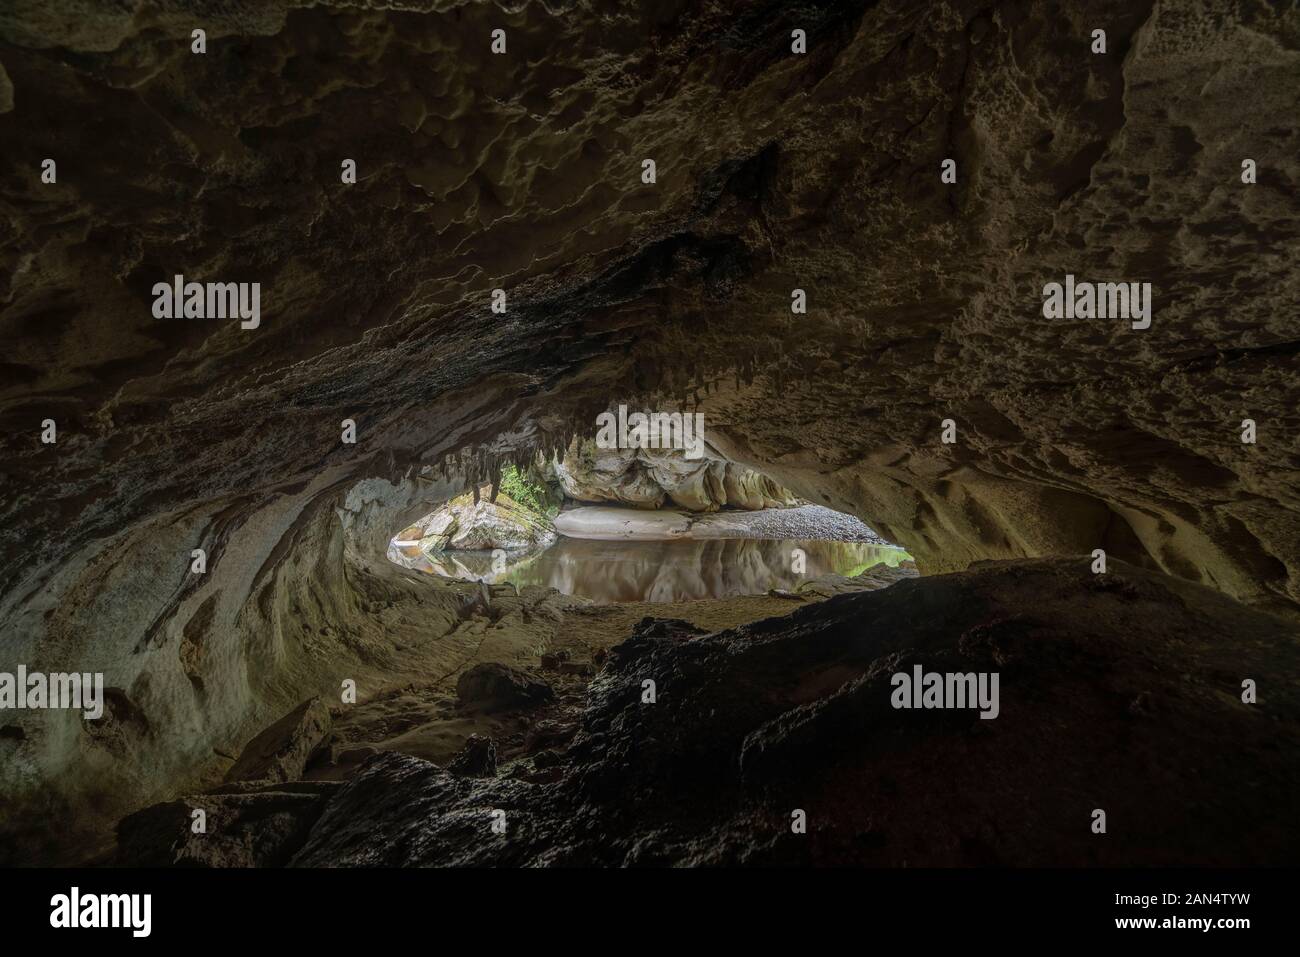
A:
(655, 478)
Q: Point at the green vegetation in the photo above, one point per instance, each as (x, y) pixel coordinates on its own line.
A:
(527, 491)
(890, 555)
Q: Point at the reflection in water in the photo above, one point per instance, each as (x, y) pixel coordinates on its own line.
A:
(662, 571)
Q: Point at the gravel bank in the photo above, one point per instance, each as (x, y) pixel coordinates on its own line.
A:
(803, 522)
(806, 522)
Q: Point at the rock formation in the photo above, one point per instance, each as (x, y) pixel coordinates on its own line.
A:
(495, 686)
(776, 172)
(1128, 671)
(473, 523)
(280, 753)
(651, 478)
(794, 714)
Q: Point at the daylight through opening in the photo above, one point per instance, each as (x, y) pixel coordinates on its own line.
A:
(642, 525)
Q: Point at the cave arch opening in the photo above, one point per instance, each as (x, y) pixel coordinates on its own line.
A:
(642, 525)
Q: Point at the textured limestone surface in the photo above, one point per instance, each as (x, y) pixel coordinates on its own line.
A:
(652, 479)
(522, 172)
(473, 523)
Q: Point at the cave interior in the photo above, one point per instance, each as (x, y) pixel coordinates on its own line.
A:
(477, 227)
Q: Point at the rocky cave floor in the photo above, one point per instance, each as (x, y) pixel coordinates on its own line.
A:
(535, 653)
(1118, 691)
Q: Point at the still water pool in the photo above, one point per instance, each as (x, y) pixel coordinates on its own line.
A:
(664, 571)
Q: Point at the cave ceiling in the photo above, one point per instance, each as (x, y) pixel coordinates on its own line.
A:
(775, 171)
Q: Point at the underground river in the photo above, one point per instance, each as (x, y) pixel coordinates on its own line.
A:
(664, 571)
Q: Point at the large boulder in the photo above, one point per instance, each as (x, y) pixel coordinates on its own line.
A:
(496, 687)
(477, 759)
(466, 524)
(241, 827)
(606, 523)
(280, 752)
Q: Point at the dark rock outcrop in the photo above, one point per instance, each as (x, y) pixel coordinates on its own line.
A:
(496, 687)
(1120, 692)
(259, 826)
(477, 759)
(281, 752)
